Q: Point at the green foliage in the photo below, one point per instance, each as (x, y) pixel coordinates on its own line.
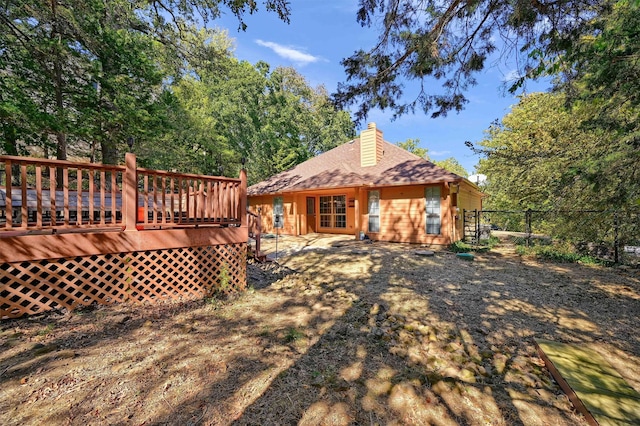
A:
(214, 302)
(483, 245)
(545, 156)
(452, 41)
(82, 78)
(293, 335)
(77, 75)
(452, 165)
(491, 242)
(48, 329)
(230, 110)
(413, 146)
(224, 278)
(461, 247)
(560, 252)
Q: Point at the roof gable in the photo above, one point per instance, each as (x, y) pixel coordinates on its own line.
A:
(340, 167)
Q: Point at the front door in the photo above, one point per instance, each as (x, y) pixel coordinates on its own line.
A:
(311, 215)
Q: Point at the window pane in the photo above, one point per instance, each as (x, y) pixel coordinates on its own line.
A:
(432, 197)
(278, 212)
(374, 223)
(374, 211)
(333, 211)
(325, 221)
(278, 205)
(340, 204)
(374, 202)
(325, 205)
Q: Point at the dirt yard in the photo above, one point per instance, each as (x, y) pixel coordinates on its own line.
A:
(339, 332)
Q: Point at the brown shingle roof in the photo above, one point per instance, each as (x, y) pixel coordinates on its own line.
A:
(340, 167)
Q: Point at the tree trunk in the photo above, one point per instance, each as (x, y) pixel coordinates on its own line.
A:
(61, 137)
(11, 148)
(109, 151)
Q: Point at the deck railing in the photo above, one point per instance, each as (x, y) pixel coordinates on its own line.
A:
(174, 199)
(59, 196)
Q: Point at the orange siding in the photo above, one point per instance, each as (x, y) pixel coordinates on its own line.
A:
(295, 212)
(402, 213)
(402, 216)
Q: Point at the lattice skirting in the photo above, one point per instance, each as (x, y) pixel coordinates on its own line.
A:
(183, 273)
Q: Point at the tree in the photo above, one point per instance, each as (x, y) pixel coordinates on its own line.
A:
(603, 69)
(452, 165)
(276, 120)
(413, 146)
(87, 71)
(221, 110)
(78, 75)
(428, 40)
(542, 156)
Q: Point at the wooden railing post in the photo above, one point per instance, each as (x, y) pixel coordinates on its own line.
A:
(9, 200)
(130, 193)
(243, 198)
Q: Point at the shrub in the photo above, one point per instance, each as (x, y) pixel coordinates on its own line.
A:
(561, 252)
(460, 247)
(484, 245)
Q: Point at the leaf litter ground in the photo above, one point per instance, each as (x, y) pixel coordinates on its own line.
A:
(337, 332)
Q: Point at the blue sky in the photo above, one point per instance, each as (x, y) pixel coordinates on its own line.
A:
(322, 33)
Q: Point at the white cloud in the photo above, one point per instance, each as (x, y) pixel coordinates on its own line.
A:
(511, 76)
(439, 153)
(294, 55)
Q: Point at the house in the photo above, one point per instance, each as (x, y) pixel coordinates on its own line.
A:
(367, 187)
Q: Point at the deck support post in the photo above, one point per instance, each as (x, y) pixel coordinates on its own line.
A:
(243, 198)
(130, 202)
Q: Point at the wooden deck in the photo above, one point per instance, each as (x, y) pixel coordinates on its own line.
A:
(73, 233)
(596, 389)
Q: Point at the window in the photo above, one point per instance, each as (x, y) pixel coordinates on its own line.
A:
(333, 211)
(432, 196)
(374, 211)
(278, 212)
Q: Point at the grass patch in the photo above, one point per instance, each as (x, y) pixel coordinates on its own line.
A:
(491, 242)
(293, 334)
(460, 247)
(560, 253)
(48, 329)
(483, 245)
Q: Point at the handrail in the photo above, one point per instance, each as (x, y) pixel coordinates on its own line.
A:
(32, 160)
(186, 175)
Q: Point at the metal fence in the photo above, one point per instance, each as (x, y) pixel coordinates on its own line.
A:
(608, 234)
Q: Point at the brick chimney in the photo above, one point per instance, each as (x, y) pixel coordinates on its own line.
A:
(370, 146)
